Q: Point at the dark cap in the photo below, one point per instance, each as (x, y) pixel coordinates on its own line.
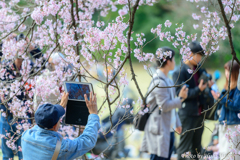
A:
(47, 115)
(196, 48)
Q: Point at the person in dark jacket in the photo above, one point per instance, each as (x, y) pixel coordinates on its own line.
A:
(34, 51)
(229, 109)
(13, 73)
(190, 113)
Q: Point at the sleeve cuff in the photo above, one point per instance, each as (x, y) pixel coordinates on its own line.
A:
(179, 102)
(223, 100)
(198, 90)
(93, 117)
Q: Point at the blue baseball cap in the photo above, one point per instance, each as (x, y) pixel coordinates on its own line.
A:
(47, 115)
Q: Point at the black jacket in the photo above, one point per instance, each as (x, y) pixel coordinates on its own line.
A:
(190, 107)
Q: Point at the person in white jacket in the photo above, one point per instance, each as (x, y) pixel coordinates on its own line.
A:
(159, 130)
(47, 88)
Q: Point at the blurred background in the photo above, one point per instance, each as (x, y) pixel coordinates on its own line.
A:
(148, 17)
(134, 137)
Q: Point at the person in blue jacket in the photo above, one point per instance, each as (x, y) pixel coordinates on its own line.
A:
(41, 141)
(228, 110)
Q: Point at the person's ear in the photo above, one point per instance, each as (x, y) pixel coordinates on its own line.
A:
(191, 56)
(168, 62)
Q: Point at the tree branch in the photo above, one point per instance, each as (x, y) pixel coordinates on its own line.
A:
(228, 30)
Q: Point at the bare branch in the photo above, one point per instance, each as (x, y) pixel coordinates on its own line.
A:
(228, 30)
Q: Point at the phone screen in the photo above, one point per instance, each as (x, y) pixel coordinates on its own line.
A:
(77, 91)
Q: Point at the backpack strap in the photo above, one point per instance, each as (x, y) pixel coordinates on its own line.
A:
(57, 149)
(154, 110)
(157, 78)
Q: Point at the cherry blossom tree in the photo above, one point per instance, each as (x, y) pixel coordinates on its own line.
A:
(67, 26)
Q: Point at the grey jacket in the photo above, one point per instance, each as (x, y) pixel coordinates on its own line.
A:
(157, 130)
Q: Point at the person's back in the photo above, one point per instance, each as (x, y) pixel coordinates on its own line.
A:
(40, 142)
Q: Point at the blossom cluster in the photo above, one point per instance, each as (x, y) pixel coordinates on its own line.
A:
(88, 46)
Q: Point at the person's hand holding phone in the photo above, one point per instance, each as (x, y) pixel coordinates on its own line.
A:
(215, 95)
(91, 103)
(210, 83)
(64, 100)
(183, 92)
(202, 86)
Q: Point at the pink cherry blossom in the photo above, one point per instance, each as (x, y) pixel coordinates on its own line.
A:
(122, 12)
(122, 1)
(190, 71)
(196, 17)
(168, 23)
(195, 26)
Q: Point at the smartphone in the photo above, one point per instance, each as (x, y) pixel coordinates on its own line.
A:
(187, 86)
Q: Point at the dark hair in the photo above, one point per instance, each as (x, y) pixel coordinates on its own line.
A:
(196, 48)
(234, 73)
(162, 62)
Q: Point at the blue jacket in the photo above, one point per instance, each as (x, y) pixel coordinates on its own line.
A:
(229, 113)
(38, 143)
